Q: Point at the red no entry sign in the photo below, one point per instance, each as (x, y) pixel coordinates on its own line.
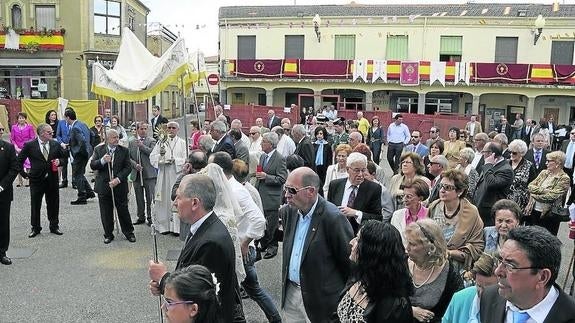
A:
(213, 79)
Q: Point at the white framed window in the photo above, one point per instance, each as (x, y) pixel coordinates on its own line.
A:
(107, 17)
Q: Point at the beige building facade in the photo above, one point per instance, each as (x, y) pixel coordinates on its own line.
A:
(275, 56)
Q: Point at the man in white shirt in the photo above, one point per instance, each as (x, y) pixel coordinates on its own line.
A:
(397, 137)
(251, 226)
(473, 127)
(526, 291)
(286, 145)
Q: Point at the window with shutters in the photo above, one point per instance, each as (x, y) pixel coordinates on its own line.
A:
(246, 47)
(45, 17)
(396, 48)
(294, 46)
(344, 47)
(107, 17)
(562, 52)
(506, 50)
(450, 48)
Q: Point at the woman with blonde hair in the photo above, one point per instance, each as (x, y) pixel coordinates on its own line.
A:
(435, 279)
(339, 169)
(548, 190)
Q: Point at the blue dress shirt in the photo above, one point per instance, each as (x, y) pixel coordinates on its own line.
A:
(301, 231)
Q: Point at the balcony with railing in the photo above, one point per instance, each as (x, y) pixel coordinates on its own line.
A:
(32, 40)
(393, 71)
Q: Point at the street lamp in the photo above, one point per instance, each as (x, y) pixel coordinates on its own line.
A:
(539, 24)
(316, 23)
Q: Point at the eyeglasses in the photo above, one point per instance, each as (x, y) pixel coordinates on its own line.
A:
(486, 152)
(415, 137)
(1, 129)
(447, 187)
(253, 133)
(357, 170)
(431, 131)
(406, 162)
(172, 127)
(514, 152)
(168, 303)
(509, 267)
(293, 190)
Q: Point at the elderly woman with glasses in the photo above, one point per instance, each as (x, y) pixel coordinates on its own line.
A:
(414, 193)
(191, 295)
(339, 169)
(435, 148)
(507, 215)
(523, 173)
(411, 168)
(380, 284)
(466, 156)
(435, 279)
(458, 219)
(464, 306)
(548, 190)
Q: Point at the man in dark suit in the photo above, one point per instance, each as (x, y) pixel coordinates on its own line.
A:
(358, 199)
(9, 168)
(270, 181)
(209, 244)
(81, 150)
(304, 147)
(526, 290)
(504, 127)
(538, 154)
(316, 251)
(143, 173)
(45, 156)
(222, 139)
(113, 165)
(527, 131)
(437, 165)
(157, 120)
(494, 182)
(273, 121)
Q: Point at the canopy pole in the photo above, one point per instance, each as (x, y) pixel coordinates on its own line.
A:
(197, 108)
(184, 119)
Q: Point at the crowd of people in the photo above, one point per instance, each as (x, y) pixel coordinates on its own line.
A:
(463, 231)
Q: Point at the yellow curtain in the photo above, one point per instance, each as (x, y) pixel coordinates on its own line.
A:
(86, 110)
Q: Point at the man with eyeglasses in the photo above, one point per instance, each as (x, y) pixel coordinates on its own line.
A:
(433, 136)
(568, 147)
(494, 182)
(271, 174)
(358, 199)
(315, 250)
(255, 139)
(169, 166)
(416, 146)
(45, 155)
(9, 169)
(526, 291)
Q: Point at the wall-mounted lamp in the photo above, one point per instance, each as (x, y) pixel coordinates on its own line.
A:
(539, 24)
(316, 24)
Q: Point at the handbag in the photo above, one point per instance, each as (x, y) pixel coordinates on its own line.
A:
(560, 212)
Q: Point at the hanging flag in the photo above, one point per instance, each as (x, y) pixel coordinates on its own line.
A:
(409, 74)
(12, 40)
(359, 70)
(379, 70)
(437, 73)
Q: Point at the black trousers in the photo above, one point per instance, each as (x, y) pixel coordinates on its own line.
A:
(269, 238)
(144, 197)
(4, 225)
(549, 222)
(394, 151)
(78, 177)
(48, 188)
(65, 171)
(107, 213)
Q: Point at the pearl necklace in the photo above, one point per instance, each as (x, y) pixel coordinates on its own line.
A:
(426, 280)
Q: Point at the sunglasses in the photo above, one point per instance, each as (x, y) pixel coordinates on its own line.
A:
(432, 131)
(172, 127)
(1, 129)
(293, 190)
(253, 133)
(415, 137)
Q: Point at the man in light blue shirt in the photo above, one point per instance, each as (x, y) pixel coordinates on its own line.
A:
(397, 137)
(316, 250)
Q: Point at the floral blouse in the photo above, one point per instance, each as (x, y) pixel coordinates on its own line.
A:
(523, 174)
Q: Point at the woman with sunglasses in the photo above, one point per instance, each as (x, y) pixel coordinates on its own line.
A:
(435, 279)
(458, 219)
(523, 173)
(380, 284)
(190, 295)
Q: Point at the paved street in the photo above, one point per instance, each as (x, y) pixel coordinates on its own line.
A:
(76, 278)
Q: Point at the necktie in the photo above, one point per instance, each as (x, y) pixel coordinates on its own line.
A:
(537, 157)
(520, 317)
(351, 198)
(265, 161)
(413, 148)
(45, 151)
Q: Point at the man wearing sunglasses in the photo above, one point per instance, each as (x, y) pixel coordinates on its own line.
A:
(316, 250)
(9, 169)
(526, 291)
